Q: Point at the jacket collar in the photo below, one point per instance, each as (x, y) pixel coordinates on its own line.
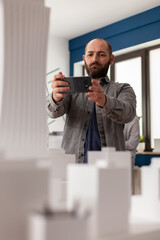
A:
(104, 80)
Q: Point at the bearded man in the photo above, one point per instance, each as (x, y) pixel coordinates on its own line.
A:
(95, 119)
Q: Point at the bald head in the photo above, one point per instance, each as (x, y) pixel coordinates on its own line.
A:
(100, 40)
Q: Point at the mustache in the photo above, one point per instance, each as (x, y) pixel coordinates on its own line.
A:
(97, 63)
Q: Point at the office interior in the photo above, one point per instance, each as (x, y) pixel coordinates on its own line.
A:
(136, 46)
(38, 191)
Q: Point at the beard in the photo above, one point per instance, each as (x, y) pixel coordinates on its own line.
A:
(98, 72)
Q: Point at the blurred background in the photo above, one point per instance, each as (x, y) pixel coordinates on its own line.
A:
(132, 28)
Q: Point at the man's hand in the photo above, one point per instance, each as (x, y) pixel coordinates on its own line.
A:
(97, 94)
(59, 86)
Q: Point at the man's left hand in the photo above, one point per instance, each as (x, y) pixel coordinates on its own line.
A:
(97, 94)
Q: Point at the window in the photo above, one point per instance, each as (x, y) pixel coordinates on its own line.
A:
(154, 69)
(129, 71)
(141, 70)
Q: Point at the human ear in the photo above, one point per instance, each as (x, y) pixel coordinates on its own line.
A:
(111, 59)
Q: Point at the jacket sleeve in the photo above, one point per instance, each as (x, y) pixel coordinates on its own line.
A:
(121, 105)
(132, 130)
(57, 109)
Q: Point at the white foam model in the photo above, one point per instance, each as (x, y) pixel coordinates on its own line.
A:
(156, 145)
(59, 226)
(60, 161)
(103, 191)
(112, 158)
(23, 187)
(108, 149)
(147, 205)
(57, 161)
(58, 177)
(23, 38)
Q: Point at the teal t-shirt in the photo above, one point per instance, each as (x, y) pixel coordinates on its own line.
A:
(92, 142)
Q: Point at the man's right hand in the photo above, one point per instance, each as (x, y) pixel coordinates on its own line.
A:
(59, 86)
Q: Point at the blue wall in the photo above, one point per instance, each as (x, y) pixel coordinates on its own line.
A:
(128, 32)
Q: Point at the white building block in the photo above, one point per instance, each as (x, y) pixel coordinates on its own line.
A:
(103, 191)
(43, 228)
(57, 161)
(24, 29)
(57, 193)
(139, 229)
(18, 164)
(112, 149)
(58, 226)
(145, 208)
(58, 177)
(147, 205)
(60, 161)
(156, 145)
(113, 158)
(155, 162)
(22, 189)
(150, 182)
(117, 159)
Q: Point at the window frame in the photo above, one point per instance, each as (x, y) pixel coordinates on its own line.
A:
(146, 108)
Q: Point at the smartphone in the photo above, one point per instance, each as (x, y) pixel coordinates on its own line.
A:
(78, 84)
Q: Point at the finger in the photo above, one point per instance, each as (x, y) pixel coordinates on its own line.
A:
(96, 88)
(95, 95)
(58, 76)
(61, 89)
(95, 83)
(59, 96)
(98, 93)
(59, 83)
(99, 102)
(94, 99)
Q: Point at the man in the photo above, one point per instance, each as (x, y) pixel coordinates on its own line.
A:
(95, 119)
(132, 137)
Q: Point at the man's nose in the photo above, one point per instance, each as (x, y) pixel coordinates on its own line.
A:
(95, 58)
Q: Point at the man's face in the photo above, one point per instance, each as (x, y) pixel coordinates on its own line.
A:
(97, 59)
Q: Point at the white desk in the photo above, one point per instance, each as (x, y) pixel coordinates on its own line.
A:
(139, 230)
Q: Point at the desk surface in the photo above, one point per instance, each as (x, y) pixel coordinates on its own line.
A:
(147, 153)
(139, 229)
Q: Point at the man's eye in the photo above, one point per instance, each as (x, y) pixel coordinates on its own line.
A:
(102, 54)
(89, 54)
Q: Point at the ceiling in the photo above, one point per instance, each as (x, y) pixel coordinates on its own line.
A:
(72, 18)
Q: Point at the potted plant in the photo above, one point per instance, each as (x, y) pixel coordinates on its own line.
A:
(141, 144)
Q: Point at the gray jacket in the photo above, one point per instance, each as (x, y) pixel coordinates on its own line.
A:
(132, 136)
(120, 108)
